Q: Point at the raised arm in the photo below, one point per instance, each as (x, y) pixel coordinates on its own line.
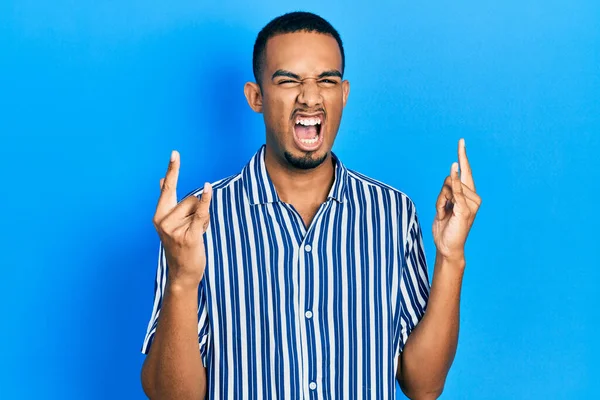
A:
(431, 347)
(173, 368)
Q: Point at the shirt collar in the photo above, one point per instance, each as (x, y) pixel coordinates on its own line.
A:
(260, 189)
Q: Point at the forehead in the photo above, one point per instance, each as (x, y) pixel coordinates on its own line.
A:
(304, 53)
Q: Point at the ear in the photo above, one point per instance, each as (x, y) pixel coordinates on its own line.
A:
(253, 96)
(345, 91)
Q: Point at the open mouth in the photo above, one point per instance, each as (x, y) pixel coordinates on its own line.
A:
(307, 131)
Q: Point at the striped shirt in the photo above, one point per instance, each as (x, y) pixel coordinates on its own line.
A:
(290, 312)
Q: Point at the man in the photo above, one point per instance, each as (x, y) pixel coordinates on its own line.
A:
(299, 278)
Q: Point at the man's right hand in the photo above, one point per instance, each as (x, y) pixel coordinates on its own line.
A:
(181, 228)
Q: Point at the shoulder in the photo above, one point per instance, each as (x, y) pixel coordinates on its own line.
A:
(402, 200)
(395, 204)
(221, 184)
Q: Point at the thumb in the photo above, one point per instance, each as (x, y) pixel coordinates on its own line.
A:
(456, 184)
(444, 198)
(201, 215)
(460, 204)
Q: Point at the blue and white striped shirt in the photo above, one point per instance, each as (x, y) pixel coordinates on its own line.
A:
(296, 313)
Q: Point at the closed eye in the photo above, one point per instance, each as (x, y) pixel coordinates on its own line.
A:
(328, 82)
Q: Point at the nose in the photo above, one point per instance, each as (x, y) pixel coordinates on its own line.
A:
(310, 94)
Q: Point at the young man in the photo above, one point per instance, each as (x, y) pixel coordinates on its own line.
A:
(299, 278)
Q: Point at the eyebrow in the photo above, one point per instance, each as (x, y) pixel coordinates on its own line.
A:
(282, 72)
(332, 72)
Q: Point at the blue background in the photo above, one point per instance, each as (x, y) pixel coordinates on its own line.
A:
(94, 95)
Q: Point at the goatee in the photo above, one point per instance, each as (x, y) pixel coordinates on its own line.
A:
(304, 162)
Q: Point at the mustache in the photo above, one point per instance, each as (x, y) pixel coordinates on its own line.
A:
(305, 111)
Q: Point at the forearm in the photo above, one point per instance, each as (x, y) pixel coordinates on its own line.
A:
(173, 368)
(430, 349)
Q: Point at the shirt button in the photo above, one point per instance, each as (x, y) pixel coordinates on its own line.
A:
(312, 386)
(308, 247)
(308, 314)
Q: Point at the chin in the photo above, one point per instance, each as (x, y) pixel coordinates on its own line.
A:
(306, 160)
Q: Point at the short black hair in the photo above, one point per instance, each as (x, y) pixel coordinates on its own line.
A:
(298, 21)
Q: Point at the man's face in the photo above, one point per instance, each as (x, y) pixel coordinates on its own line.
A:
(303, 96)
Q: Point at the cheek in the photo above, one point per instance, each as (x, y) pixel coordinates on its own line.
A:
(335, 98)
(334, 108)
(278, 111)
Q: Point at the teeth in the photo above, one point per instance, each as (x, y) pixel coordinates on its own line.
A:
(309, 141)
(308, 121)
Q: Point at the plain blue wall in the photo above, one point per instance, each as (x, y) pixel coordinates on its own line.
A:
(94, 95)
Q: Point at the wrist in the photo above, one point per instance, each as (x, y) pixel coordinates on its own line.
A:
(449, 271)
(181, 296)
(182, 285)
(456, 261)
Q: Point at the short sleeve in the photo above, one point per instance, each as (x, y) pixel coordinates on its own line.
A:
(414, 281)
(159, 289)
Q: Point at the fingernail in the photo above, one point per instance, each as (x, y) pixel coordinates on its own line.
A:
(455, 166)
(172, 155)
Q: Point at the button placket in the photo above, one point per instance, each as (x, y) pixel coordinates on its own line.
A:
(308, 324)
(306, 253)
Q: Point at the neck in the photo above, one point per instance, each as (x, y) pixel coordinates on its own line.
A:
(300, 186)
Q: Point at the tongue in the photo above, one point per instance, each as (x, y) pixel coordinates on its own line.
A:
(306, 132)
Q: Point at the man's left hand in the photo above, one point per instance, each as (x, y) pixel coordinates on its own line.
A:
(457, 206)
